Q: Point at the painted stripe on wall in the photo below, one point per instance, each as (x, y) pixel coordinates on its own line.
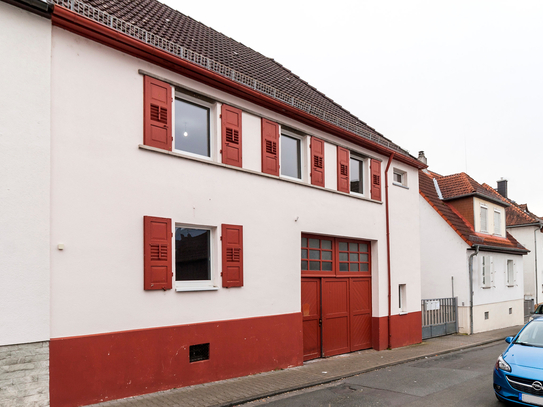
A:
(90, 369)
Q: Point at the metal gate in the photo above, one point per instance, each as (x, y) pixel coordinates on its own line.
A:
(439, 317)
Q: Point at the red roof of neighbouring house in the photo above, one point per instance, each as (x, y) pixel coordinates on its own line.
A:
(516, 214)
(456, 221)
(461, 185)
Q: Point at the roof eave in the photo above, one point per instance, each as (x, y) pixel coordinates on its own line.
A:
(70, 21)
(479, 195)
(497, 249)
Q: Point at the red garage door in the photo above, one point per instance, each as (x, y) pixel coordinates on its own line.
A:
(336, 295)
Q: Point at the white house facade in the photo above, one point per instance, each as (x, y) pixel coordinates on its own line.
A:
(189, 228)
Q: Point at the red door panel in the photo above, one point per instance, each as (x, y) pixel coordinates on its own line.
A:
(335, 316)
(360, 296)
(311, 312)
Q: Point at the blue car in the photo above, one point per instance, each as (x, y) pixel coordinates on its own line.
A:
(518, 374)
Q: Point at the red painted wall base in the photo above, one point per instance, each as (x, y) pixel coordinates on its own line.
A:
(91, 369)
(405, 330)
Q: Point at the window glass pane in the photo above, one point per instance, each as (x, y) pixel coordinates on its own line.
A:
(353, 247)
(344, 256)
(314, 254)
(326, 244)
(314, 243)
(353, 256)
(304, 241)
(191, 128)
(314, 265)
(304, 253)
(363, 247)
(192, 254)
(290, 157)
(353, 267)
(343, 266)
(326, 255)
(343, 246)
(364, 267)
(363, 257)
(356, 176)
(304, 265)
(327, 266)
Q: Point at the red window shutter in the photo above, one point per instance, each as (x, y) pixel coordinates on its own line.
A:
(375, 179)
(231, 135)
(317, 162)
(343, 157)
(270, 147)
(232, 256)
(157, 253)
(157, 114)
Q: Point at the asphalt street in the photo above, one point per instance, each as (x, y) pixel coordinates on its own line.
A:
(462, 378)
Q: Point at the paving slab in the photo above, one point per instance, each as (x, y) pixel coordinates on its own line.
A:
(240, 390)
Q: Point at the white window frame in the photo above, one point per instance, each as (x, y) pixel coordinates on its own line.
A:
(213, 120)
(199, 285)
(497, 225)
(485, 208)
(510, 273)
(402, 175)
(364, 163)
(303, 155)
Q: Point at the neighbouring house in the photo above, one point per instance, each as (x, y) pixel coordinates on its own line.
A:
(177, 208)
(527, 228)
(466, 249)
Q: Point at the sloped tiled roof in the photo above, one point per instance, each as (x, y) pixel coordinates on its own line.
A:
(458, 185)
(457, 222)
(170, 24)
(516, 215)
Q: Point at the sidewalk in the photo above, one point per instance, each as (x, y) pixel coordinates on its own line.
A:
(243, 389)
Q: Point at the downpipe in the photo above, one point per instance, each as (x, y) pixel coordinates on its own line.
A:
(388, 250)
(471, 288)
(540, 229)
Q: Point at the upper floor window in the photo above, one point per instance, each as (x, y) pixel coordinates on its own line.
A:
(192, 128)
(399, 177)
(484, 218)
(291, 158)
(357, 175)
(497, 222)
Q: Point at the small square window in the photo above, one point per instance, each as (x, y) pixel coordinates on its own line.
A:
(357, 175)
(192, 128)
(192, 254)
(486, 315)
(402, 296)
(198, 352)
(399, 177)
(291, 160)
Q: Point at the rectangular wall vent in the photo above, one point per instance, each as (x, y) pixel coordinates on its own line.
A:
(199, 352)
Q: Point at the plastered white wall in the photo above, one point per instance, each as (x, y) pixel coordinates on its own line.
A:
(103, 185)
(498, 316)
(443, 257)
(25, 46)
(532, 239)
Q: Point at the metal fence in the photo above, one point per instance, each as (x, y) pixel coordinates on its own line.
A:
(439, 317)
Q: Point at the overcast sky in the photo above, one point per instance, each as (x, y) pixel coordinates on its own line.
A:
(461, 80)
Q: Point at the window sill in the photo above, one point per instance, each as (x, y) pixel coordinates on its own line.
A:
(261, 174)
(201, 288)
(486, 288)
(400, 185)
(404, 313)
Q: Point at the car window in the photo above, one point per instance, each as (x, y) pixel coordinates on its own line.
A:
(531, 335)
(539, 310)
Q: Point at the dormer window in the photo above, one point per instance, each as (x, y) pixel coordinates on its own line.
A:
(484, 218)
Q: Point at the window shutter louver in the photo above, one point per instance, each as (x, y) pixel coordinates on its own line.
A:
(157, 110)
(343, 157)
(375, 180)
(317, 162)
(232, 256)
(157, 253)
(270, 147)
(231, 136)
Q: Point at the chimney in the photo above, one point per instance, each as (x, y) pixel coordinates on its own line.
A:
(422, 158)
(502, 187)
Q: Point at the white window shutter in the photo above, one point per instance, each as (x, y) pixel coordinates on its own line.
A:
(492, 272)
(515, 273)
